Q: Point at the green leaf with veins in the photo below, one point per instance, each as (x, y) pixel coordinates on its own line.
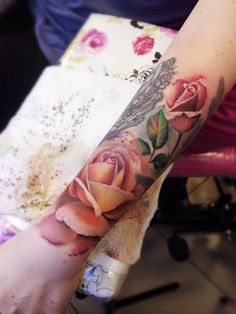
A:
(157, 129)
(143, 147)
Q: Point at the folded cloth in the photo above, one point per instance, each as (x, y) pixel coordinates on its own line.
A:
(117, 47)
(53, 134)
(58, 125)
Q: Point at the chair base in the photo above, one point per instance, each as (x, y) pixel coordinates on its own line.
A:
(112, 306)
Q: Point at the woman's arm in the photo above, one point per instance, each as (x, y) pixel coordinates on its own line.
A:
(161, 119)
(190, 81)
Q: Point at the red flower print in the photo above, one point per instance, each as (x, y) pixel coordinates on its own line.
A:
(93, 41)
(143, 45)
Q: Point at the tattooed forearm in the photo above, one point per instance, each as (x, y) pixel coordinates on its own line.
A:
(218, 97)
(147, 97)
(163, 116)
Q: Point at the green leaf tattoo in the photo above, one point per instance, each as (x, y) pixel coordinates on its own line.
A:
(145, 181)
(157, 129)
(143, 147)
(218, 97)
(160, 161)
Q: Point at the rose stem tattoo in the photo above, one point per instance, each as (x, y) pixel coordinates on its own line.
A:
(158, 123)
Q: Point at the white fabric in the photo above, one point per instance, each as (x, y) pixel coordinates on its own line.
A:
(69, 110)
(60, 123)
(116, 56)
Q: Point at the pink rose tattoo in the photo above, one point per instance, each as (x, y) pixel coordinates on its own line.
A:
(93, 41)
(185, 101)
(109, 178)
(143, 45)
(95, 198)
(134, 153)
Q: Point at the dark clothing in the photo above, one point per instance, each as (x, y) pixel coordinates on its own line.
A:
(58, 21)
(21, 60)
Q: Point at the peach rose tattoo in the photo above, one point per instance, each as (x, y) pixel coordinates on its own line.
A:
(95, 198)
(159, 120)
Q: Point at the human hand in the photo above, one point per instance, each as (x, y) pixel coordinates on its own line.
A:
(36, 277)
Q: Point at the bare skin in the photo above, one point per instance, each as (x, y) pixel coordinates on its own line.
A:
(190, 81)
(30, 288)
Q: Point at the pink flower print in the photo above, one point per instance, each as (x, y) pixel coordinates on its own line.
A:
(93, 41)
(143, 44)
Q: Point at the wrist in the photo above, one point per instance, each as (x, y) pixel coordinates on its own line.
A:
(42, 260)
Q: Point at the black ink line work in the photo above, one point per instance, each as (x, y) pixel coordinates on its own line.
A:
(146, 98)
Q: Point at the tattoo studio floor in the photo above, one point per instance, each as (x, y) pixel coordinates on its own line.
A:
(207, 279)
